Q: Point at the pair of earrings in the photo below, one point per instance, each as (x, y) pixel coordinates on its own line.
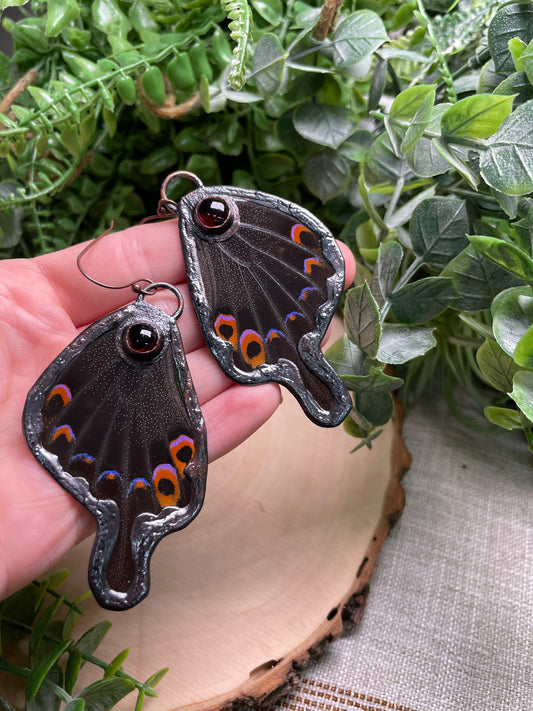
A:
(115, 418)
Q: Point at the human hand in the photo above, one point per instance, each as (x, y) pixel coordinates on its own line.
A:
(44, 303)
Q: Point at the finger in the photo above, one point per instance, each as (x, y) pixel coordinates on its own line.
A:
(349, 261)
(150, 251)
(236, 413)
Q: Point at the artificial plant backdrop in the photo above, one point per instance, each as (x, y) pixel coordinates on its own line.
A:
(407, 127)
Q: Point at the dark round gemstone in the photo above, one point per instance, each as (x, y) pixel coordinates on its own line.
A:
(213, 214)
(142, 340)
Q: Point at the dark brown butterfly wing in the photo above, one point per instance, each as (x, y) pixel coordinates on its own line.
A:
(115, 420)
(265, 278)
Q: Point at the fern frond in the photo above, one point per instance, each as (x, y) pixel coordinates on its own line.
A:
(240, 26)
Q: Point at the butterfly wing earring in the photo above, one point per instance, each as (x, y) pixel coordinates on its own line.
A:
(265, 277)
(116, 421)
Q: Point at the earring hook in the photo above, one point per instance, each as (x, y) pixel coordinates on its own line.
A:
(166, 207)
(133, 284)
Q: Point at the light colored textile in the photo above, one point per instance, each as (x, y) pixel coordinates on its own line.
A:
(449, 619)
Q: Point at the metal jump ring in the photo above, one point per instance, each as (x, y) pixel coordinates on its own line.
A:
(152, 288)
(176, 176)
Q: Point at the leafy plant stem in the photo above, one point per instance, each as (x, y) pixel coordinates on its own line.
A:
(25, 673)
(443, 64)
(402, 281)
(394, 199)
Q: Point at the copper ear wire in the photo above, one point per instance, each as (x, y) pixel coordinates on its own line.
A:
(135, 284)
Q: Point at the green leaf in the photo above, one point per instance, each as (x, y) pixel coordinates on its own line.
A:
(40, 627)
(453, 156)
(10, 219)
(361, 318)
(153, 84)
(423, 299)
(423, 158)
(4, 4)
(523, 354)
(89, 641)
(475, 117)
(72, 669)
(356, 37)
(512, 20)
(503, 417)
(527, 62)
(400, 343)
(274, 165)
(271, 11)
(405, 211)
(159, 160)
(87, 129)
(507, 163)
(438, 229)
(323, 124)
(518, 86)
(512, 315)
(346, 357)
(70, 138)
(267, 64)
(477, 279)
(40, 671)
(375, 407)
(49, 693)
(109, 18)
(156, 677)
(505, 255)
(496, 365)
(412, 108)
(42, 98)
(75, 705)
(116, 663)
(376, 381)
(384, 163)
(82, 68)
(522, 392)
(60, 14)
(326, 174)
(389, 260)
(104, 694)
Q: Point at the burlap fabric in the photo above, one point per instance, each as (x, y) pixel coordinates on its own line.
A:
(449, 619)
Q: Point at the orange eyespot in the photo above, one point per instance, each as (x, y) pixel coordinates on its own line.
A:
(138, 483)
(63, 431)
(182, 451)
(166, 485)
(311, 262)
(296, 232)
(226, 328)
(63, 391)
(273, 334)
(252, 348)
(113, 475)
(306, 291)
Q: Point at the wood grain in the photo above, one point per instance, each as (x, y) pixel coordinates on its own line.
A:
(276, 566)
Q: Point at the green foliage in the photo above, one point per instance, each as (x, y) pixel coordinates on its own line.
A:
(407, 129)
(38, 649)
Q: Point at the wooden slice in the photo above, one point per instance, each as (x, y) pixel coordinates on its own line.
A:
(276, 565)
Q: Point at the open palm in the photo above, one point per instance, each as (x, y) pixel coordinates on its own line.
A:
(44, 303)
